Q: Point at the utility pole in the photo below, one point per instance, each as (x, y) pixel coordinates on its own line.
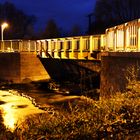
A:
(89, 22)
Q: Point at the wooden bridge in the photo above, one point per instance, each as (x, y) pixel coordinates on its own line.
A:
(121, 38)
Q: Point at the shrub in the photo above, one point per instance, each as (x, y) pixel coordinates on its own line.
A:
(117, 117)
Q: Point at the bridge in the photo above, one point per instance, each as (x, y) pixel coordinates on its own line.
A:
(121, 38)
(80, 57)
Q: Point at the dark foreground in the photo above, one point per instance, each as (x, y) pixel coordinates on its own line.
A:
(83, 118)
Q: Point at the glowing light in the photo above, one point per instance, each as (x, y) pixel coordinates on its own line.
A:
(9, 118)
(3, 26)
(16, 109)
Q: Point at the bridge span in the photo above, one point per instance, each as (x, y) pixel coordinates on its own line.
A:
(19, 61)
(121, 38)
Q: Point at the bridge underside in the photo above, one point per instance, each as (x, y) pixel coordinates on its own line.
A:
(26, 67)
(71, 70)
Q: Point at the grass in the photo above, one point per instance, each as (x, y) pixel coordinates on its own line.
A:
(117, 118)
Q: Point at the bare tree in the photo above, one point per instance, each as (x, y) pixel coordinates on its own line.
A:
(19, 22)
(51, 30)
(75, 31)
(112, 12)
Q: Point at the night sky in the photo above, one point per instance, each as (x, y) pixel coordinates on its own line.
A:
(66, 13)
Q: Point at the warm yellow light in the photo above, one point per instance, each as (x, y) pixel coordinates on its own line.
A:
(4, 25)
(9, 118)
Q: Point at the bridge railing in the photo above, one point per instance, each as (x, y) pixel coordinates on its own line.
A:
(17, 46)
(79, 47)
(124, 37)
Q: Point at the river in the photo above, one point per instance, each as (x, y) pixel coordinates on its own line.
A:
(16, 106)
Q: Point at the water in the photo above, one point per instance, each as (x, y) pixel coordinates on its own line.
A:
(15, 108)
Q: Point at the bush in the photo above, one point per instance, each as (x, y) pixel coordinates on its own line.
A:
(117, 117)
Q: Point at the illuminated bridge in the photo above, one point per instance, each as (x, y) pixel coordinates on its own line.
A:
(121, 38)
(81, 59)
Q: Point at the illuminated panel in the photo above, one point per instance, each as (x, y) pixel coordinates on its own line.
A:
(120, 39)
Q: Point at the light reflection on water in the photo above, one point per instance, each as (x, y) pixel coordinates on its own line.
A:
(15, 108)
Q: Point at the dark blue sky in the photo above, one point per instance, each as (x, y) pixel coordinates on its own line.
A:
(66, 13)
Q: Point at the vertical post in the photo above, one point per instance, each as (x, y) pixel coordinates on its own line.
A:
(91, 45)
(11, 46)
(3, 26)
(29, 45)
(65, 49)
(56, 48)
(126, 36)
(115, 39)
(138, 35)
(102, 42)
(73, 47)
(50, 46)
(20, 42)
(35, 43)
(2, 45)
(106, 40)
(81, 47)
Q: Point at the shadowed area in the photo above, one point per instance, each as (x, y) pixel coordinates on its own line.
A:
(2, 102)
(83, 72)
(19, 106)
(5, 95)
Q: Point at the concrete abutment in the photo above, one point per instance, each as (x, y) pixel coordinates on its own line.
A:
(21, 67)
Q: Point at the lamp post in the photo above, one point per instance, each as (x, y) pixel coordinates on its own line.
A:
(3, 26)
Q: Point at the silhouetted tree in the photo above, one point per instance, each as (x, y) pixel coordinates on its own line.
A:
(75, 30)
(112, 12)
(19, 22)
(51, 30)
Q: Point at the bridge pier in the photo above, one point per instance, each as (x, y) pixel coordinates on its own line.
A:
(117, 70)
(21, 67)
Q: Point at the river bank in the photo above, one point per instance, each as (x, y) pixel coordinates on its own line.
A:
(48, 94)
(117, 117)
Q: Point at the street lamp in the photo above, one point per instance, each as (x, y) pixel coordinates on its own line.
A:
(3, 26)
